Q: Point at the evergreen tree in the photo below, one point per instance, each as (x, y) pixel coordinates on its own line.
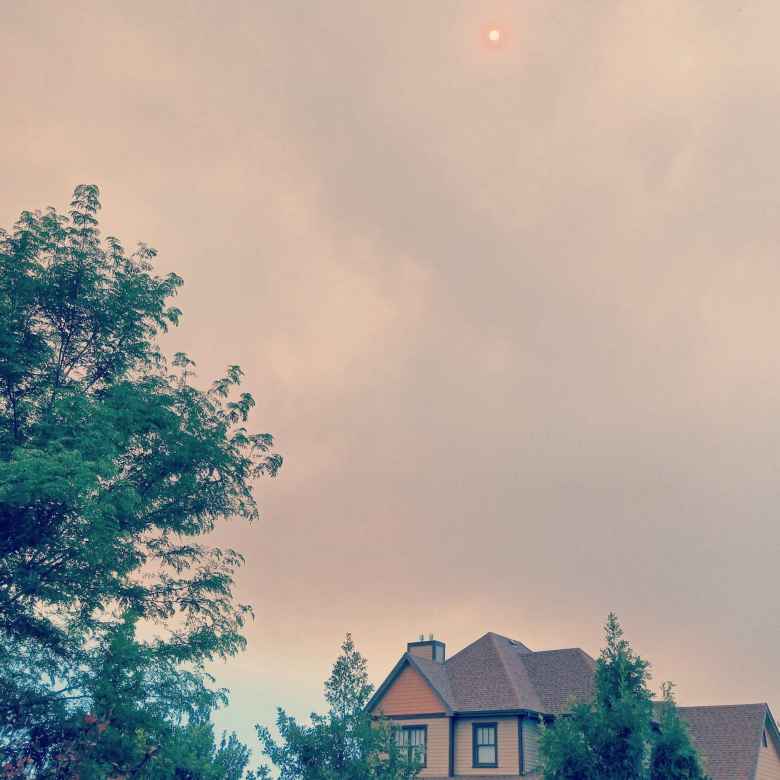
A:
(344, 744)
(673, 756)
(623, 706)
(614, 736)
(112, 464)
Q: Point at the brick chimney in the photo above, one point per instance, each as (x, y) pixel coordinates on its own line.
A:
(430, 649)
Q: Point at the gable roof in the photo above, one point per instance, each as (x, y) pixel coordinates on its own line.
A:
(497, 673)
(728, 737)
(435, 678)
(435, 675)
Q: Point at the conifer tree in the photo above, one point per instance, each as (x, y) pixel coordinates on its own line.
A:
(615, 736)
(673, 756)
(346, 743)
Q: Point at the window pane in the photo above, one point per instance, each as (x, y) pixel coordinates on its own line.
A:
(486, 754)
(414, 742)
(486, 735)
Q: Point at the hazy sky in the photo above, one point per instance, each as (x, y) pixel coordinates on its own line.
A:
(511, 313)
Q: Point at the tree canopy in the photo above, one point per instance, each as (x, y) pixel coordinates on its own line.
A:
(112, 464)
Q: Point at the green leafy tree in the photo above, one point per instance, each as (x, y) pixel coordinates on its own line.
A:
(140, 716)
(193, 753)
(347, 743)
(112, 464)
(673, 755)
(614, 736)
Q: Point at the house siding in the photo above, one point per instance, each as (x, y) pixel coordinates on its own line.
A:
(409, 695)
(508, 747)
(769, 760)
(531, 733)
(438, 747)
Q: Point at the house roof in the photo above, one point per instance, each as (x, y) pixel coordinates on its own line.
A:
(561, 677)
(498, 673)
(728, 737)
(489, 675)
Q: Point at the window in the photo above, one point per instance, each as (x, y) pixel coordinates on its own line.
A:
(485, 744)
(413, 740)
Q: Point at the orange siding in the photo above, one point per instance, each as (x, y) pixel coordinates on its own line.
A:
(438, 747)
(768, 760)
(409, 695)
(508, 747)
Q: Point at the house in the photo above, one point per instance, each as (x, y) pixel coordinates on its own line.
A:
(480, 712)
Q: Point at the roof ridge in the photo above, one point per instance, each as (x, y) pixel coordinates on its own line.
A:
(507, 672)
(561, 650)
(463, 649)
(511, 640)
(483, 636)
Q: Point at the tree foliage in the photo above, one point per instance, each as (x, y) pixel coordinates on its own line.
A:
(673, 756)
(346, 743)
(615, 736)
(112, 464)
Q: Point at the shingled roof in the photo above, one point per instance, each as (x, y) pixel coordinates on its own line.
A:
(561, 677)
(498, 673)
(728, 737)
